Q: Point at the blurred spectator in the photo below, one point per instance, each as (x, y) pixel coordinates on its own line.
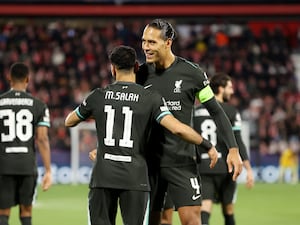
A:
(288, 165)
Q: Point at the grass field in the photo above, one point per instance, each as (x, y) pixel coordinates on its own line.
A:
(265, 204)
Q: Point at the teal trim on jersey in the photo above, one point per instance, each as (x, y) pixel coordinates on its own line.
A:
(236, 128)
(45, 124)
(162, 115)
(78, 114)
(205, 94)
(192, 64)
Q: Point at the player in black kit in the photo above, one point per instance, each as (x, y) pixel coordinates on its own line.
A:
(124, 113)
(23, 120)
(217, 183)
(179, 81)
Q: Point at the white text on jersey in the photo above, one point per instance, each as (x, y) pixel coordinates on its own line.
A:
(122, 96)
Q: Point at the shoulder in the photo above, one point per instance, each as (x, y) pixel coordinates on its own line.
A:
(228, 108)
(189, 64)
(35, 100)
(191, 68)
(98, 91)
(231, 111)
(143, 67)
(142, 74)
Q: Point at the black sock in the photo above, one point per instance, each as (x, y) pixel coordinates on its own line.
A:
(3, 220)
(205, 218)
(229, 219)
(26, 220)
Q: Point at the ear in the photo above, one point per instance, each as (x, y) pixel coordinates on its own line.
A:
(136, 67)
(169, 42)
(113, 70)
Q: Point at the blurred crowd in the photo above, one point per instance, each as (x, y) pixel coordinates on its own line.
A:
(69, 59)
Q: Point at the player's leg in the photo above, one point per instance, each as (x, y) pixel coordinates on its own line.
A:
(228, 212)
(208, 195)
(157, 196)
(185, 191)
(166, 217)
(25, 214)
(103, 205)
(206, 209)
(26, 194)
(167, 214)
(7, 197)
(134, 206)
(228, 198)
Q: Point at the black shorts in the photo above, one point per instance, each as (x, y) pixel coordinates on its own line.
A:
(17, 190)
(220, 188)
(183, 185)
(103, 206)
(168, 203)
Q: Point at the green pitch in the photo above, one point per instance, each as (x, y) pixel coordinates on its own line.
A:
(271, 204)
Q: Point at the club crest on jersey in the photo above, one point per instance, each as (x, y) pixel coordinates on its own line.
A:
(177, 88)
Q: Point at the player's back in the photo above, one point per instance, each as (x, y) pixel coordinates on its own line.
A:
(205, 125)
(124, 116)
(20, 113)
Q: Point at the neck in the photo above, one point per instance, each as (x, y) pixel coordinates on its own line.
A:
(166, 62)
(219, 98)
(18, 87)
(125, 77)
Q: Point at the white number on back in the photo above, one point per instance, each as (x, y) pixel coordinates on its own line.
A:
(209, 130)
(19, 125)
(125, 141)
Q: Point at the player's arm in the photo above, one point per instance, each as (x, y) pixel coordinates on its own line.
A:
(42, 141)
(189, 134)
(234, 162)
(245, 159)
(73, 119)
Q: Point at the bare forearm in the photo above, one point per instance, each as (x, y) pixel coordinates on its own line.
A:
(72, 119)
(44, 149)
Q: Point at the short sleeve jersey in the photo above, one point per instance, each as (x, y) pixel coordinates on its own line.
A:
(179, 85)
(20, 114)
(124, 113)
(205, 125)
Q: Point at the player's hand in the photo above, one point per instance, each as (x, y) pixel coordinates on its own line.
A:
(213, 155)
(47, 181)
(93, 155)
(234, 163)
(250, 179)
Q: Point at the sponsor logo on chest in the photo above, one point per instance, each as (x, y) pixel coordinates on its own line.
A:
(177, 88)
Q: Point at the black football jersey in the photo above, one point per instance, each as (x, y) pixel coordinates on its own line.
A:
(179, 85)
(20, 114)
(205, 125)
(124, 113)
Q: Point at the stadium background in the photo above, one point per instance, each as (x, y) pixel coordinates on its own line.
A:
(66, 43)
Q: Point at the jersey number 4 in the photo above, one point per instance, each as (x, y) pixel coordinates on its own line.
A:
(19, 124)
(125, 141)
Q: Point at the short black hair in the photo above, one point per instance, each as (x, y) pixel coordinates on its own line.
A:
(219, 80)
(123, 57)
(167, 30)
(19, 71)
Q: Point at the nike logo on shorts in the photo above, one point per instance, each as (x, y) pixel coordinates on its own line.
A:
(195, 197)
